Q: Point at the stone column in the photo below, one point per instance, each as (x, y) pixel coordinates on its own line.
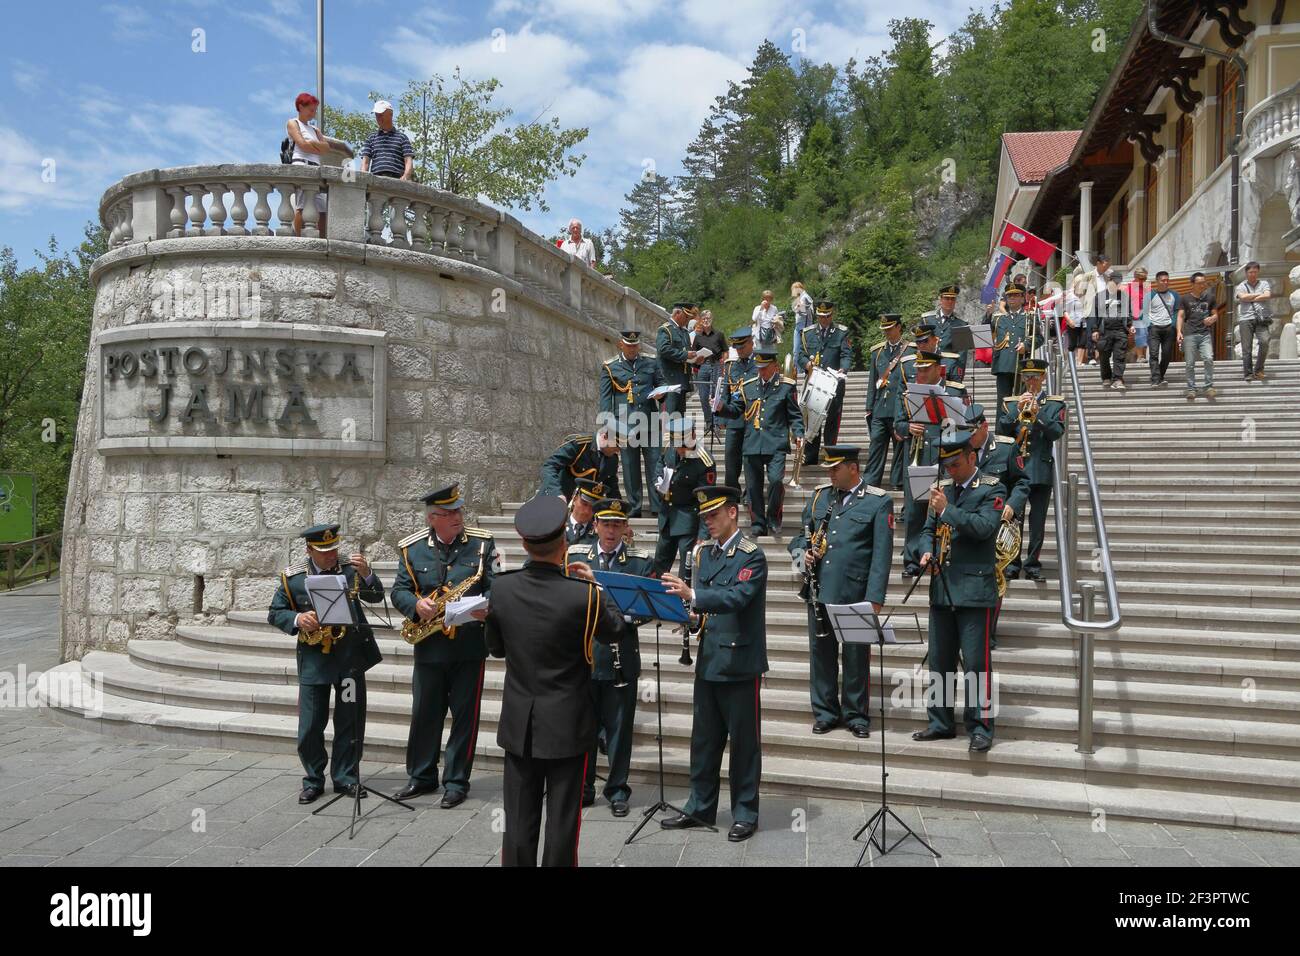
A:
(1067, 240)
(1085, 224)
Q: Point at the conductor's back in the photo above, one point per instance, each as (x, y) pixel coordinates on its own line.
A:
(544, 624)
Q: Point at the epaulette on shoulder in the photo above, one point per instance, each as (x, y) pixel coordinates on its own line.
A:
(748, 380)
(842, 328)
(612, 359)
(930, 315)
(638, 553)
(576, 436)
(788, 381)
(667, 324)
(1010, 400)
(878, 346)
(747, 546)
(1056, 398)
(957, 385)
(295, 569)
(705, 457)
(951, 354)
(579, 547)
(1005, 439)
(989, 480)
(478, 533)
(410, 539)
(873, 490)
(908, 358)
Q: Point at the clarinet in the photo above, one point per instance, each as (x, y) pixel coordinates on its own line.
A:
(810, 590)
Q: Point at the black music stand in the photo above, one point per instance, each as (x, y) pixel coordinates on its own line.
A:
(647, 598)
(851, 619)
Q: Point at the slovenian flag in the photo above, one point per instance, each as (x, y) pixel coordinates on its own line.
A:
(993, 279)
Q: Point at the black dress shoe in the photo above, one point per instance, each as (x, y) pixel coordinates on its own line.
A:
(825, 726)
(1011, 575)
(680, 822)
(929, 734)
(309, 794)
(618, 808)
(861, 731)
(741, 831)
(414, 790)
(911, 572)
(351, 790)
(452, 798)
(979, 744)
(1033, 575)
(588, 799)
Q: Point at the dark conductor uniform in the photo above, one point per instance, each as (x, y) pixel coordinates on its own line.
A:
(734, 374)
(624, 385)
(672, 342)
(1010, 329)
(1048, 425)
(884, 364)
(771, 412)
(730, 583)
(545, 625)
(324, 661)
(615, 705)
(679, 521)
(857, 529)
(449, 663)
(963, 596)
(579, 456)
(826, 346)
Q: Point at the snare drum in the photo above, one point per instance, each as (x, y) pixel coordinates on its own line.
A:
(818, 395)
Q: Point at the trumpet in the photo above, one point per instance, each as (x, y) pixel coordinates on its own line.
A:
(1025, 423)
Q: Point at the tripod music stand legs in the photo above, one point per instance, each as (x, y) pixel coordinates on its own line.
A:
(879, 819)
(662, 803)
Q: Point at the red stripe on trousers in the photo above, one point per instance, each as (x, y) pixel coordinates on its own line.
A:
(478, 706)
(988, 663)
(758, 714)
(578, 835)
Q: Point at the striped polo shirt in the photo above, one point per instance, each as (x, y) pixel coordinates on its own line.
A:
(387, 150)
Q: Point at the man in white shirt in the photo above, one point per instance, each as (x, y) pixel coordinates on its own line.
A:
(1254, 321)
(578, 247)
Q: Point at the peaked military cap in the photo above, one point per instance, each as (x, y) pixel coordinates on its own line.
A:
(713, 497)
(741, 336)
(890, 319)
(926, 358)
(953, 444)
(824, 306)
(924, 331)
(949, 290)
(764, 356)
(590, 489)
(1015, 288)
(541, 519)
(448, 498)
(631, 337)
(839, 453)
(322, 537)
(975, 413)
(612, 509)
(1033, 366)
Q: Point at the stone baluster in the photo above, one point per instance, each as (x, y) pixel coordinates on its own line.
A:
(285, 213)
(420, 228)
(198, 214)
(454, 220)
(238, 211)
(217, 212)
(375, 224)
(114, 223)
(127, 232)
(397, 222)
(310, 214)
(262, 210)
(437, 231)
(469, 245)
(177, 216)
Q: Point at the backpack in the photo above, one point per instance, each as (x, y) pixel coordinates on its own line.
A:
(286, 151)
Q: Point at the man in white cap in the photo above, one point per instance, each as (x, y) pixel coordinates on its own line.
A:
(387, 151)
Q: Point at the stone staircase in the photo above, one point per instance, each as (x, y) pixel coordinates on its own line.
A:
(1197, 696)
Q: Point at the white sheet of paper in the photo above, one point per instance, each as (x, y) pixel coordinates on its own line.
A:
(982, 336)
(460, 612)
(921, 478)
(664, 390)
(850, 628)
(703, 355)
(918, 393)
(328, 595)
(665, 479)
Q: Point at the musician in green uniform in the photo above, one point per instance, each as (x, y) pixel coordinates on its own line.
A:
(728, 593)
(959, 541)
(683, 468)
(1011, 333)
(770, 409)
(885, 379)
(581, 526)
(1035, 420)
(844, 551)
(614, 667)
(625, 381)
(449, 661)
(675, 355)
(921, 448)
(945, 321)
(331, 657)
(734, 374)
(592, 456)
(827, 346)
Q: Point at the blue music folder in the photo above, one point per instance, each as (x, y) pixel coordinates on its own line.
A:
(642, 597)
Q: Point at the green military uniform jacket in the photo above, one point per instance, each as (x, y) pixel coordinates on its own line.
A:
(929, 454)
(672, 342)
(355, 649)
(880, 401)
(1048, 426)
(578, 457)
(1001, 459)
(734, 374)
(770, 413)
(629, 561)
(678, 510)
(424, 566)
(954, 363)
(859, 543)
(625, 384)
(829, 348)
(1014, 327)
(580, 534)
(730, 589)
(968, 578)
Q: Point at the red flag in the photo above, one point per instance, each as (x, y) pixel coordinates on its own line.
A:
(1026, 243)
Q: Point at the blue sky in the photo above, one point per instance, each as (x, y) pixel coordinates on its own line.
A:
(91, 91)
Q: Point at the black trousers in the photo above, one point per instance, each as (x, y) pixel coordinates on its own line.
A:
(1112, 347)
(615, 713)
(830, 428)
(733, 455)
(526, 780)
(314, 714)
(435, 689)
(1160, 349)
(670, 548)
(1039, 498)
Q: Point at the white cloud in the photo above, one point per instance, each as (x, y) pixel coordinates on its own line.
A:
(582, 16)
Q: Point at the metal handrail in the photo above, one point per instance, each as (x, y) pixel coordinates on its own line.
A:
(1065, 486)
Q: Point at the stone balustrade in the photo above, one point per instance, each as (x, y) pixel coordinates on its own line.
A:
(1272, 124)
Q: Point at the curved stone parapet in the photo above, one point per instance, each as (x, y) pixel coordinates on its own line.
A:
(243, 382)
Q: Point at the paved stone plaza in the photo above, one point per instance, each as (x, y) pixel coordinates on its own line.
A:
(69, 797)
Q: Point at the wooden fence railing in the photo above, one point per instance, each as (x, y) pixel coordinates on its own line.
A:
(23, 561)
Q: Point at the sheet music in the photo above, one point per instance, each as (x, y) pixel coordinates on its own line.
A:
(663, 390)
(328, 596)
(921, 478)
(665, 479)
(462, 611)
(856, 624)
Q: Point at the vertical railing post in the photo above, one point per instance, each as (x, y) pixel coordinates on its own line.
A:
(1072, 528)
(1087, 610)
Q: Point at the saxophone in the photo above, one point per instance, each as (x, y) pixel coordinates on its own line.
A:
(329, 633)
(413, 632)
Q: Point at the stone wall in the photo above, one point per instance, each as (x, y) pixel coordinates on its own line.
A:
(484, 376)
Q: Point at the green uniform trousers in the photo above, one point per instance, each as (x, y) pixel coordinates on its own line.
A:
(852, 706)
(764, 502)
(882, 440)
(633, 459)
(615, 713)
(313, 715)
(725, 710)
(435, 689)
(970, 631)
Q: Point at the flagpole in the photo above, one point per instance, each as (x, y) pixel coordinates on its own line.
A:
(320, 60)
